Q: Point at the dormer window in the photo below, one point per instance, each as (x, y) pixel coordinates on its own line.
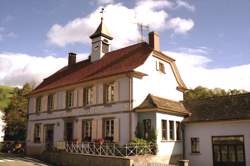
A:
(161, 67)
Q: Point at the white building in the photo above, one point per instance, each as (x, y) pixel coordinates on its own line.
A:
(121, 94)
(218, 131)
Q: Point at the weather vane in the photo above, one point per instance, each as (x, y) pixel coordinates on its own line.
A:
(102, 12)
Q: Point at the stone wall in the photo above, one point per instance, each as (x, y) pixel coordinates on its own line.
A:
(69, 159)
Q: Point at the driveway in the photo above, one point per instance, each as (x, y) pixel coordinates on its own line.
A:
(12, 160)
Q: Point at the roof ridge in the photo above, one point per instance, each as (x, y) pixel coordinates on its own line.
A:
(216, 97)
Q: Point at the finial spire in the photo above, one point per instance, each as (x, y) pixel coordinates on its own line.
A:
(102, 13)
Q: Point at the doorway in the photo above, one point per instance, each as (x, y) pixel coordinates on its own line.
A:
(49, 135)
(69, 131)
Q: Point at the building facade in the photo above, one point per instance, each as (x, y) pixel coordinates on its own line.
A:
(116, 96)
(107, 96)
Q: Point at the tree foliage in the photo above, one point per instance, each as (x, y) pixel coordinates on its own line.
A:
(15, 115)
(202, 92)
(5, 95)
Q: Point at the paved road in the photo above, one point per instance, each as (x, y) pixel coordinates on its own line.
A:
(12, 160)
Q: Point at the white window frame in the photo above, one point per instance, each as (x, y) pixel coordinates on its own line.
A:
(164, 138)
(37, 133)
(110, 92)
(86, 129)
(171, 130)
(39, 104)
(109, 130)
(69, 98)
(195, 144)
(51, 100)
(88, 95)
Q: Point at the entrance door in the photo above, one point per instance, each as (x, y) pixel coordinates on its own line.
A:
(228, 151)
(49, 135)
(69, 131)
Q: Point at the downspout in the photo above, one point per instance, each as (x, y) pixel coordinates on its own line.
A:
(130, 106)
(183, 141)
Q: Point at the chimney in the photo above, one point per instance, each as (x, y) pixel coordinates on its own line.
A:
(71, 59)
(153, 39)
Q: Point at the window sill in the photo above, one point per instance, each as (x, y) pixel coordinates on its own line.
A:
(195, 153)
(171, 141)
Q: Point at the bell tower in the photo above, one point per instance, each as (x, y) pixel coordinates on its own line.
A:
(100, 41)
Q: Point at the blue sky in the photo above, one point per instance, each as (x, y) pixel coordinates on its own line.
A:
(217, 31)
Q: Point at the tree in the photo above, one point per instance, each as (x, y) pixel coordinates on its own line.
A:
(16, 114)
(202, 92)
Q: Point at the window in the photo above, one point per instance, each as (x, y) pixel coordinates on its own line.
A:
(147, 128)
(228, 150)
(50, 102)
(178, 131)
(109, 92)
(164, 131)
(86, 130)
(171, 130)
(38, 104)
(88, 96)
(161, 67)
(37, 135)
(195, 145)
(109, 130)
(69, 98)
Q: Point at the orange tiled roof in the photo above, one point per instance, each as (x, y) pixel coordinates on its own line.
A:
(112, 63)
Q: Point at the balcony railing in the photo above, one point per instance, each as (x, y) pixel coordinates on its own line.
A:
(107, 149)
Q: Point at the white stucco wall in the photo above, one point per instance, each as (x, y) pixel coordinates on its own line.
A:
(167, 147)
(117, 110)
(156, 83)
(205, 131)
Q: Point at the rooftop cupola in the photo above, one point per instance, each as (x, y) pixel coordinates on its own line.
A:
(100, 41)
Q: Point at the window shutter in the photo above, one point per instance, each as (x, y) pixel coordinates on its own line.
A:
(84, 97)
(31, 132)
(44, 103)
(33, 104)
(101, 94)
(116, 130)
(42, 133)
(94, 95)
(116, 90)
(104, 93)
(99, 129)
(55, 101)
(80, 97)
(75, 98)
(63, 99)
(94, 130)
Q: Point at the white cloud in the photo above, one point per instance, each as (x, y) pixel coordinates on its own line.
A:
(180, 25)
(121, 22)
(185, 4)
(16, 68)
(194, 71)
(101, 2)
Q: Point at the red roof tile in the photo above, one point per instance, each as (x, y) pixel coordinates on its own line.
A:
(112, 63)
